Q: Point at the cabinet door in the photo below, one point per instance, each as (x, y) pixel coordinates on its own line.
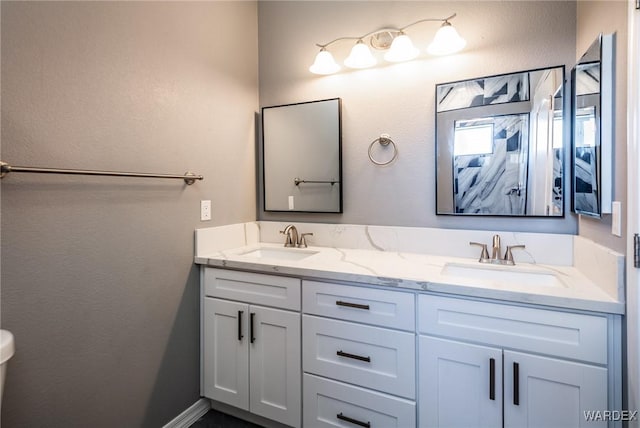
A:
(226, 352)
(275, 365)
(460, 384)
(545, 392)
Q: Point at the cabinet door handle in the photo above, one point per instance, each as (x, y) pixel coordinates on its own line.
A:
(251, 319)
(352, 305)
(353, 356)
(492, 379)
(516, 384)
(353, 421)
(240, 325)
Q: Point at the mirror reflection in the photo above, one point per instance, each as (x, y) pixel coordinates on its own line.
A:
(591, 119)
(301, 153)
(499, 146)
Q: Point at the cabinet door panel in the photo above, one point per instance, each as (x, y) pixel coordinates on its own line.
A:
(565, 335)
(328, 403)
(268, 290)
(385, 308)
(275, 365)
(551, 393)
(372, 357)
(226, 358)
(458, 387)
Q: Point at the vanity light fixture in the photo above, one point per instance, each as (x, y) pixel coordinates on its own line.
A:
(398, 45)
(324, 63)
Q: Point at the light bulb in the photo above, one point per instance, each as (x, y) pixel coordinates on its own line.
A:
(360, 57)
(446, 41)
(324, 63)
(401, 49)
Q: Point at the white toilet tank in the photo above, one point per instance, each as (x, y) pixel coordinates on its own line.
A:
(7, 348)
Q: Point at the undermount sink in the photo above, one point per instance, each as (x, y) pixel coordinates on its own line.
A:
(282, 253)
(504, 274)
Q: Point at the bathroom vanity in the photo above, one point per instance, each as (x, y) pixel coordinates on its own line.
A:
(373, 330)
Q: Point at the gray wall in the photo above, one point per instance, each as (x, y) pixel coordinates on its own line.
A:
(399, 99)
(593, 18)
(98, 281)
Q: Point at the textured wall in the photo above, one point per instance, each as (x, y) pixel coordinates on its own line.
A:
(98, 281)
(593, 18)
(502, 36)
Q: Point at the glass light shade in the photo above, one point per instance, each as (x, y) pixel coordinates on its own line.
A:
(401, 49)
(360, 57)
(324, 63)
(446, 41)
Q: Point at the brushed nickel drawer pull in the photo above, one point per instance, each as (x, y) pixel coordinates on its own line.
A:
(353, 421)
(352, 305)
(353, 356)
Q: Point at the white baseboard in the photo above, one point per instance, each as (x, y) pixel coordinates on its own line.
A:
(189, 416)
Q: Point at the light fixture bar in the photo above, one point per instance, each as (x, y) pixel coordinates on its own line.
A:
(398, 44)
(386, 30)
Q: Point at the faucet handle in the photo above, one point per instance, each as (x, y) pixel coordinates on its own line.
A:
(303, 242)
(508, 255)
(484, 255)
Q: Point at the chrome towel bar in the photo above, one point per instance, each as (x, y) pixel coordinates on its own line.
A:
(5, 168)
(298, 181)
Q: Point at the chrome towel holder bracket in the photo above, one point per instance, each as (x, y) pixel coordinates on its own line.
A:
(384, 140)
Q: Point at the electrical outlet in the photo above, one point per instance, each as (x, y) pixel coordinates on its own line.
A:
(290, 202)
(205, 210)
(616, 218)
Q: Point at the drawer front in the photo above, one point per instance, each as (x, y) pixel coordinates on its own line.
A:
(385, 308)
(568, 335)
(333, 404)
(372, 357)
(266, 290)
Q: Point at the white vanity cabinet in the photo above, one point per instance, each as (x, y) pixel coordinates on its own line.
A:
(313, 353)
(251, 352)
(494, 365)
(358, 356)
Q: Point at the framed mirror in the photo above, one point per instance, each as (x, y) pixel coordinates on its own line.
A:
(302, 157)
(499, 145)
(592, 117)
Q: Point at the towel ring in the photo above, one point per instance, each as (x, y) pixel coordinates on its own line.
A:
(384, 140)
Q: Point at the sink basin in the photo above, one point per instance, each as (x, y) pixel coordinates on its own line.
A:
(282, 253)
(505, 274)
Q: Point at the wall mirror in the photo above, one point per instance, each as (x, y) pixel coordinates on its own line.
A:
(592, 113)
(302, 161)
(499, 145)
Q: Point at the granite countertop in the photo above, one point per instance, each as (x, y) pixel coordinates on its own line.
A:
(548, 285)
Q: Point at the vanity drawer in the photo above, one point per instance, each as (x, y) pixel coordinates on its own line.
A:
(328, 403)
(557, 333)
(267, 290)
(372, 357)
(385, 308)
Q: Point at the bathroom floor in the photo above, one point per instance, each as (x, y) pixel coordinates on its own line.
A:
(215, 419)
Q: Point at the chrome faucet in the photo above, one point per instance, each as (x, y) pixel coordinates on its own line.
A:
(293, 238)
(291, 233)
(495, 254)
